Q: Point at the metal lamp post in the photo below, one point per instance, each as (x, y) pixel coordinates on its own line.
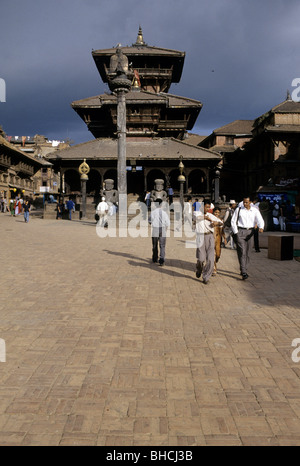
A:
(119, 84)
(217, 185)
(181, 179)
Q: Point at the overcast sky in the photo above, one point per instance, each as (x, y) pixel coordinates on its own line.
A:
(241, 56)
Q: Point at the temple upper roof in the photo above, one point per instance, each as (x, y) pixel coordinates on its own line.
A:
(157, 67)
(148, 113)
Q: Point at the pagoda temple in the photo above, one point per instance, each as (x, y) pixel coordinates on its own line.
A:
(157, 126)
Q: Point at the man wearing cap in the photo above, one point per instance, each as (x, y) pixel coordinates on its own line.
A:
(227, 223)
(205, 253)
(102, 210)
(243, 222)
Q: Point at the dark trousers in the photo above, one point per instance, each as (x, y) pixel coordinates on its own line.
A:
(256, 239)
(161, 241)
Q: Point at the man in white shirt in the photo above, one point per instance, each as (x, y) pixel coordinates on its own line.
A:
(205, 253)
(102, 210)
(160, 223)
(243, 222)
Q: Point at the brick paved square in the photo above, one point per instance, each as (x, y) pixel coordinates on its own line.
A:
(105, 348)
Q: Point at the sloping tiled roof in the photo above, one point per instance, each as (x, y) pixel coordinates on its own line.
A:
(11, 147)
(237, 127)
(139, 50)
(288, 106)
(194, 139)
(283, 128)
(156, 149)
(225, 148)
(140, 97)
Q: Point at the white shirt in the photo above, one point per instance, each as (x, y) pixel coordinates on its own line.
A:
(245, 218)
(102, 207)
(188, 208)
(203, 225)
(159, 219)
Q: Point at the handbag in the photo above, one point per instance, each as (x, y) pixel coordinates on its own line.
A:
(97, 217)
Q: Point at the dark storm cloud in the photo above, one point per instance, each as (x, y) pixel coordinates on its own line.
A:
(241, 56)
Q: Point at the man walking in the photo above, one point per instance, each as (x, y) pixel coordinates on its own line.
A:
(70, 207)
(243, 222)
(205, 253)
(227, 223)
(160, 223)
(102, 210)
(26, 208)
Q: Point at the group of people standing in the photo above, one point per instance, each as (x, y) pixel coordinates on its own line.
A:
(276, 213)
(62, 207)
(237, 228)
(18, 206)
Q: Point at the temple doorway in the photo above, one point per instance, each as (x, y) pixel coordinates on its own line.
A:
(72, 181)
(135, 182)
(197, 182)
(152, 176)
(173, 179)
(94, 183)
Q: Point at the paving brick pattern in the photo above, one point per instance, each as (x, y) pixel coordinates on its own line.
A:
(105, 348)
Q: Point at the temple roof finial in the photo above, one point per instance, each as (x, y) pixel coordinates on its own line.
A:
(140, 38)
(288, 95)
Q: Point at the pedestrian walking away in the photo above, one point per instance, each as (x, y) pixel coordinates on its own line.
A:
(243, 222)
(170, 194)
(160, 223)
(147, 199)
(205, 242)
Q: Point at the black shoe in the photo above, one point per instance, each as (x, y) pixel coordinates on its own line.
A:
(245, 276)
(205, 282)
(199, 269)
(154, 261)
(161, 262)
(257, 250)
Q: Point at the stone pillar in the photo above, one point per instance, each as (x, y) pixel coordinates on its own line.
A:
(121, 122)
(119, 84)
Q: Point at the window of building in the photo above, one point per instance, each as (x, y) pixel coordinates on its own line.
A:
(229, 141)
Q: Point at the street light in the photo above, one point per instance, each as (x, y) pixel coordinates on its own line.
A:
(217, 185)
(181, 179)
